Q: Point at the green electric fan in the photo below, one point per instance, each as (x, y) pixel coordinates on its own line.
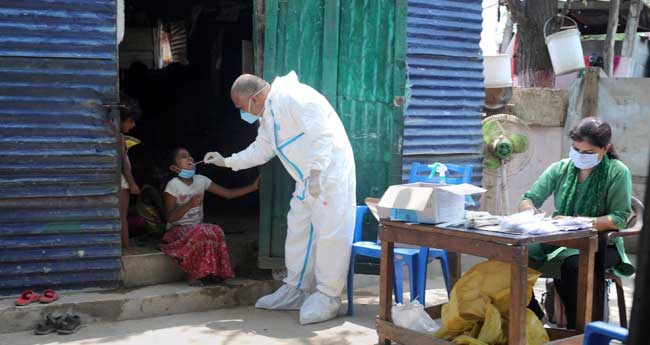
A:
(506, 152)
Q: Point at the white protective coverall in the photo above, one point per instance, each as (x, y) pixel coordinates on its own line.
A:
(304, 131)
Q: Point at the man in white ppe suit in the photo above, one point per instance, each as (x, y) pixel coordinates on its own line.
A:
(300, 126)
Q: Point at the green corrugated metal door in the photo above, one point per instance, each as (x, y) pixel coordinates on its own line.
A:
(354, 53)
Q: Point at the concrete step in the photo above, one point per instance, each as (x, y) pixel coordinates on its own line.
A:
(149, 269)
(128, 304)
(145, 265)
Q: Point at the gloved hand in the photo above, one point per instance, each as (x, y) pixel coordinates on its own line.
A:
(314, 183)
(214, 158)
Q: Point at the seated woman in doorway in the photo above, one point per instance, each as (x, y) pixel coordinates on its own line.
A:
(593, 183)
(199, 248)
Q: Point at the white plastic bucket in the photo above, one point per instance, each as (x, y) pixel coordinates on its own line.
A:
(565, 49)
(497, 71)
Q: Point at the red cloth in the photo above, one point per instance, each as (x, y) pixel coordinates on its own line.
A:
(200, 250)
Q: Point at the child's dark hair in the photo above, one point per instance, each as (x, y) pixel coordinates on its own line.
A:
(130, 108)
(595, 131)
(171, 160)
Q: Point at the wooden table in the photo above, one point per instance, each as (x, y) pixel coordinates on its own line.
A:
(511, 248)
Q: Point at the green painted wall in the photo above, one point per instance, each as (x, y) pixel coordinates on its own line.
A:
(354, 53)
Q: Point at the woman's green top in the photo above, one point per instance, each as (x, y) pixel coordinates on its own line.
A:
(607, 191)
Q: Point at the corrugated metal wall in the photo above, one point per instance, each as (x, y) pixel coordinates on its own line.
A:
(353, 52)
(443, 118)
(59, 220)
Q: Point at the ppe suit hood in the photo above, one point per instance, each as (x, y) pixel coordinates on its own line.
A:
(281, 85)
(287, 80)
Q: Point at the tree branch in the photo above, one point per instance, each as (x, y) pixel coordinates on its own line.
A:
(516, 7)
(631, 28)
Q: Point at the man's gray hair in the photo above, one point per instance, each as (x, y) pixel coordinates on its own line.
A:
(247, 84)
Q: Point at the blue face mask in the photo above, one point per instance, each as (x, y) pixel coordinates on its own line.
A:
(584, 161)
(246, 116)
(186, 173)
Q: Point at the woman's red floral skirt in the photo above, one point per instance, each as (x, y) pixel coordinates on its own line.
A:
(200, 250)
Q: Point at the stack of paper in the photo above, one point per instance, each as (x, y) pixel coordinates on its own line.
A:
(536, 224)
(528, 222)
(478, 220)
(573, 223)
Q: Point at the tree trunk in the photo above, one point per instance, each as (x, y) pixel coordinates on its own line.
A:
(533, 64)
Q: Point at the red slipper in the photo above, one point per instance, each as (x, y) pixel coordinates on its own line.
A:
(27, 297)
(49, 296)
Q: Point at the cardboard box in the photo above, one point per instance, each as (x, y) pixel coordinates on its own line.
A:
(426, 203)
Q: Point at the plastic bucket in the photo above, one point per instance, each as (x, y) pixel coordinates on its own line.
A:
(497, 71)
(565, 49)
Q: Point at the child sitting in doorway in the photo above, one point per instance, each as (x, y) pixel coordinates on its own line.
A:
(199, 248)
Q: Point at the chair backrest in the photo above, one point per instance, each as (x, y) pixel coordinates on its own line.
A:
(358, 224)
(456, 174)
(636, 221)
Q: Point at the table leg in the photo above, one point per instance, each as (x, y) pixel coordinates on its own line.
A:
(518, 285)
(386, 285)
(600, 286)
(585, 282)
(455, 267)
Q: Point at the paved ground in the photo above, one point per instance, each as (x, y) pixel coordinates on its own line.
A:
(245, 325)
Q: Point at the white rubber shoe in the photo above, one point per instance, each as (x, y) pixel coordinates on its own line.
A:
(285, 298)
(319, 308)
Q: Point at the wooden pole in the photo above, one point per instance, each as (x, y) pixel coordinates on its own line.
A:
(590, 92)
(612, 26)
(260, 26)
(630, 29)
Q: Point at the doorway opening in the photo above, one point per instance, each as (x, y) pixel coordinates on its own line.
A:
(178, 59)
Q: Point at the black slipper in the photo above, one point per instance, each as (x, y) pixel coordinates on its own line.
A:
(69, 324)
(48, 325)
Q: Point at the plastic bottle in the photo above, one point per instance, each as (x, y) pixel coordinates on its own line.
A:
(441, 170)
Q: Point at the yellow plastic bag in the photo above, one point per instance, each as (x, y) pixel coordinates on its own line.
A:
(131, 141)
(491, 332)
(465, 340)
(535, 331)
(478, 309)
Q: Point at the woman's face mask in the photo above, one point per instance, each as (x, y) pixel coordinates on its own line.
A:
(587, 155)
(584, 161)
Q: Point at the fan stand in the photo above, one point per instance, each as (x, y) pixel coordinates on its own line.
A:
(505, 198)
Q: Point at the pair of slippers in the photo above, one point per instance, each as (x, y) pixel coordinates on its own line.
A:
(29, 297)
(63, 324)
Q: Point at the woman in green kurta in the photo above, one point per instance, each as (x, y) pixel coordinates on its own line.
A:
(593, 183)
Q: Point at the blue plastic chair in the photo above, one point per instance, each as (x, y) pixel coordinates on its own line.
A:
(602, 333)
(403, 256)
(457, 174)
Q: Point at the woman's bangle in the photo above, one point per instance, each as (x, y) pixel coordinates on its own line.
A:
(594, 222)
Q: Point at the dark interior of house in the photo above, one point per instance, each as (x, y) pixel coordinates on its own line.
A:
(179, 59)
